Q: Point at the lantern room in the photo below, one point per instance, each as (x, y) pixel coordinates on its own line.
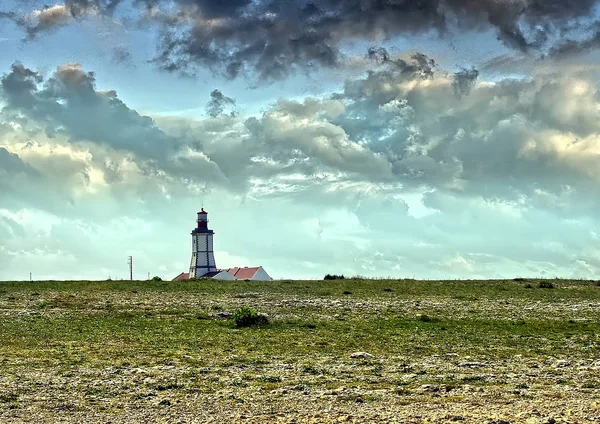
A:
(202, 219)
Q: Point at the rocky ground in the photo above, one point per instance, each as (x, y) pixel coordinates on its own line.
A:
(108, 354)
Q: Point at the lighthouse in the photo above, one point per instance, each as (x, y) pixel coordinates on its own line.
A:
(203, 257)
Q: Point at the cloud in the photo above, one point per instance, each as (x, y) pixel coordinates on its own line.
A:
(274, 38)
(464, 80)
(51, 18)
(217, 104)
(7, 15)
(410, 129)
(69, 103)
(570, 47)
(10, 162)
(92, 142)
(121, 55)
(494, 168)
(46, 19)
(512, 139)
(83, 7)
(268, 40)
(506, 139)
(15, 176)
(419, 64)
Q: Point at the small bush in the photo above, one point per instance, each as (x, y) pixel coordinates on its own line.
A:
(546, 285)
(248, 317)
(334, 277)
(425, 318)
(156, 278)
(528, 286)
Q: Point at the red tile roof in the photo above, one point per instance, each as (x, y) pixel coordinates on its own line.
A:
(239, 273)
(243, 273)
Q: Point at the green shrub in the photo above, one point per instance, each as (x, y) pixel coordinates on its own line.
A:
(546, 285)
(156, 278)
(269, 378)
(246, 316)
(334, 277)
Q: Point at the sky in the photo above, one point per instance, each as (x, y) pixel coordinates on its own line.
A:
(434, 139)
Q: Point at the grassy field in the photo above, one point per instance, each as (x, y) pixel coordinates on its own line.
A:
(435, 351)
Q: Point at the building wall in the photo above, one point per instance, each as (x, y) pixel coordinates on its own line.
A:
(261, 275)
(224, 275)
(202, 255)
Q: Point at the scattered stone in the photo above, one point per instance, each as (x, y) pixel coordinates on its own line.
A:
(361, 355)
(223, 315)
(471, 365)
(430, 388)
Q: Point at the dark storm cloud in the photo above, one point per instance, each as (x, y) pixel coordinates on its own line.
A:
(420, 64)
(217, 103)
(269, 39)
(464, 80)
(82, 7)
(274, 37)
(19, 85)
(571, 46)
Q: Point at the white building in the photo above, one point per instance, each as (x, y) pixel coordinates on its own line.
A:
(249, 273)
(203, 263)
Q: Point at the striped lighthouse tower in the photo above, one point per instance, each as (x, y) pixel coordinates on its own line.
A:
(203, 257)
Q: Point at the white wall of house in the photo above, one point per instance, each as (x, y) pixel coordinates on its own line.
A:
(261, 275)
(224, 275)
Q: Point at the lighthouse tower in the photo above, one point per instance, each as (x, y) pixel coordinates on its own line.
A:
(203, 258)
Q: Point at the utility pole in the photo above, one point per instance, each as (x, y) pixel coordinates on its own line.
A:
(30, 277)
(130, 262)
